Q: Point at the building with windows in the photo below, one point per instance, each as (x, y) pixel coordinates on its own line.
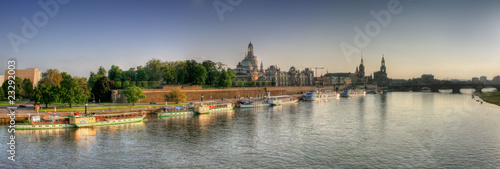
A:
(247, 70)
(34, 74)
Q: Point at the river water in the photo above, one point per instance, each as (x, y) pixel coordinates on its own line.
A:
(404, 130)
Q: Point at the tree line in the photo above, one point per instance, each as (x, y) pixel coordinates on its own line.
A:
(62, 87)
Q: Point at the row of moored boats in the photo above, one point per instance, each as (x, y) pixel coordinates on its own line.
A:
(78, 120)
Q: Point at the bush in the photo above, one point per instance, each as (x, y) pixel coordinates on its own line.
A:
(133, 83)
(176, 95)
(117, 85)
(144, 84)
(253, 83)
(126, 84)
(154, 84)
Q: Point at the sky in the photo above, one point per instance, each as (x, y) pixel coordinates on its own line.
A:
(451, 39)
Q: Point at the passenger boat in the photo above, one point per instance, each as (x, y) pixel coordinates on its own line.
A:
(281, 100)
(178, 110)
(320, 95)
(106, 119)
(207, 108)
(36, 122)
(252, 104)
(353, 93)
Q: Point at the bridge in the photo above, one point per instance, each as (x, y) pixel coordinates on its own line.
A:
(454, 87)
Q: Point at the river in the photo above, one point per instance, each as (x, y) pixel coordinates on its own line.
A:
(398, 129)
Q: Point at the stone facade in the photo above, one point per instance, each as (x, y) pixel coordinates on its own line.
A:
(247, 70)
(35, 75)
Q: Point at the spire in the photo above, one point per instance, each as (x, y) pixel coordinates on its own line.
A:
(361, 58)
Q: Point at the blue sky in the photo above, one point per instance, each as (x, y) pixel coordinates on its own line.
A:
(450, 39)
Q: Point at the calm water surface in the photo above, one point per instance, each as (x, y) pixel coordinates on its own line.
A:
(404, 130)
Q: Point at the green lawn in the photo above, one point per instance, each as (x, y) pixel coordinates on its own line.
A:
(4, 103)
(67, 109)
(491, 97)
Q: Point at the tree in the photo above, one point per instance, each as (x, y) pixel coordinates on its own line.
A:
(181, 73)
(101, 72)
(1, 93)
(102, 89)
(27, 88)
(17, 83)
(115, 73)
(177, 95)
(133, 94)
(130, 75)
(142, 75)
(199, 74)
(46, 94)
(73, 90)
(231, 74)
(224, 79)
(84, 91)
(168, 72)
(154, 70)
(51, 76)
(212, 72)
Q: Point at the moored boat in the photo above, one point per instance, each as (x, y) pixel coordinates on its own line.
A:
(36, 122)
(207, 108)
(106, 119)
(178, 110)
(320, 95)
(281, 100)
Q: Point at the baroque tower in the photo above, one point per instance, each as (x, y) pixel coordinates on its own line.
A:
(382, 67)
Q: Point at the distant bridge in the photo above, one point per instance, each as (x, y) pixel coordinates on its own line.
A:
(454, 87)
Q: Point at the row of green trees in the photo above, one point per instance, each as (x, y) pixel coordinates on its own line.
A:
(62, 87)
(53, 87)
(155, 72)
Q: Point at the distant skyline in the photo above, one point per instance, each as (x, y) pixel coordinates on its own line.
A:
(449, 39)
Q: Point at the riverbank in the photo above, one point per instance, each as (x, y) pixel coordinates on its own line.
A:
(491, 97)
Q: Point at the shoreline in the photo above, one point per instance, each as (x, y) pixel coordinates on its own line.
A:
(490, 97)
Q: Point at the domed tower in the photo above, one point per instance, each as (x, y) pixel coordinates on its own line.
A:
(361, 72)
(382, 67)
(250, 48)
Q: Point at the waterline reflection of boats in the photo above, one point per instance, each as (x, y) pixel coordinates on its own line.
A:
(252, 104)
(353, 93)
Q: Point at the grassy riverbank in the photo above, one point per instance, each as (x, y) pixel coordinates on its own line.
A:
(94, 108)
(491, 97)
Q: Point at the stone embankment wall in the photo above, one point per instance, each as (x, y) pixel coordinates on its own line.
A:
(194, 94)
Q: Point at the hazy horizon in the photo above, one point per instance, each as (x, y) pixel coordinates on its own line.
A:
(449, 39)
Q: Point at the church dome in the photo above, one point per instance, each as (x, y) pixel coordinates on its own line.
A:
(246, 63)
(292, 69)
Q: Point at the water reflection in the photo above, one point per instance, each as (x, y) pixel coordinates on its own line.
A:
(391, 130)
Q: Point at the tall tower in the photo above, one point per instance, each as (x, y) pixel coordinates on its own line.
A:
(361, 68)
(382, 67)
(250, 48)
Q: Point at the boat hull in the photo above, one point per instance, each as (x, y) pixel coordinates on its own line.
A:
(113, 122)
(214, 110)
(176, 113)
(43, 126)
